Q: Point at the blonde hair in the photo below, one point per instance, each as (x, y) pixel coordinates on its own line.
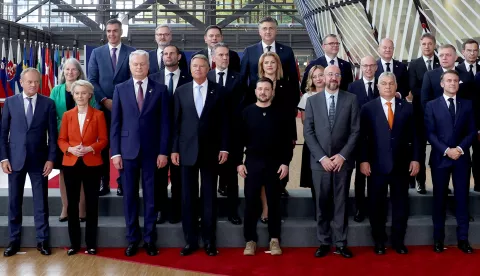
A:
(310, 86)
(82, 83)
(261, 72)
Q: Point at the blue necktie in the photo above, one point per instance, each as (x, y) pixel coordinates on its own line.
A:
(331, 112)
(332, 62)
(29, 112)
(199, 100)
(451, 109)
(170, 84)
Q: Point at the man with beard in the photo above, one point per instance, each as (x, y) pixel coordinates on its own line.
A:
(331, 130)
(268, 153)
(163, 37)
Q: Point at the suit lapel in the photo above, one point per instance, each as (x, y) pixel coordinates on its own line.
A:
(131, 95)
(211, 92)
(397, 114)
(381, 113)
(121, 58)
(338, 107)
(88, 119)
(182, 80)
(148, 96)
(37, 110)
(230, 80)
(22, 109)
(379, 68)
(458, 110)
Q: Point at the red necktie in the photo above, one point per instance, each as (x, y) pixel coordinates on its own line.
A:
(213, 65)
(140, 96)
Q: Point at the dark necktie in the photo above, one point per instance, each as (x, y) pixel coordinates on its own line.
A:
(220, 79)
(429, 65)
(29, 112)
(140, 95)
(388, 66)
(331, 111)
(451, 109)
(370, 91)
(471, 72)
(162, 65)
(213, 65)
(269, 48)
(114, 58)
(332, 62)
(170, 84)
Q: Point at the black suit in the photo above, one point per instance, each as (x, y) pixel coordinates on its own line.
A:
(161, 185)
(389, 152)
(154, 64)
(358, 88)
(401, 74)
(431, 88)
(234, 63)
(345, 68)
(416, 72)
(199, 140)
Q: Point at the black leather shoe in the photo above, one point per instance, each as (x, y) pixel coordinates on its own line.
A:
(285, 193)
(380, 249)
(235, 219)
(344, 252)
(211, 249)
(44, 248)
(465, 247)
(264, 220)
(359, 216)
(438, 247)
(401, 249)
(188, 250)
(72, 251)
(151, 249)
(12, 249)
(222, 191)
(322, 251)
(91, 251)
(421, 189)
(64, 219)
(412, 183)
(132, 249)
(119, 191)
(82, 219)
(104, 187)
(160, 218)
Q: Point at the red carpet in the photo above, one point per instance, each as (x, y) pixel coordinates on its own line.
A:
(54, 182)
(300, 261)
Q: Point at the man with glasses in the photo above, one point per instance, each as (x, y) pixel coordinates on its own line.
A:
(386, 63)
(330, 47)
(331, 130)
(163, 37)
(366, 90)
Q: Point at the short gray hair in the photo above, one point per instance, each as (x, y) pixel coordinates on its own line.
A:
(28, 70)
(199, 56)
(78, 66)
(163, 26)
(138, 53)
(82, 83)
(219, 45)
(327, 36)
(387, 75)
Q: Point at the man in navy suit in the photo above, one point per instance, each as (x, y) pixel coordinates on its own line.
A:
(389, 155)
(173, 77)
(416, 70)
(232, 81)
(267, 29)
(450, 130)
(200, 143)
(29, 143)
(108, 66)
(331, 46)
(366, 90)
(214, 35)
(386, 63)
(140, 142)
(163, 37)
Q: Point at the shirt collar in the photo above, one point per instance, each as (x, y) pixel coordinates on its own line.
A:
(176, 72)
(448, 97)
(327, 95)
(204, 84)
(328, 59)
(365, 81)
(224, 71)
(467, 65)
(34, 97)
(118, 47)
(385, 101)
(144, 81)
(264, 45)
(425, 59)
(384, 62)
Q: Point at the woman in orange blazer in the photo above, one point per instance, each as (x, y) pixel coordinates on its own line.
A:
(83, 135)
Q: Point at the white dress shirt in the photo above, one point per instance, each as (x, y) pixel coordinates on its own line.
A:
(365, 82)
(117, 53)
(384, 64)
(425, 59)
(203, 90)
(335, 60)
(329, 100)
(160, 57)
(474, 68)
(26, 102)
(385, 106)
(210, 58)
(144, 86)
(445, 97)
(217, 76)
(176, 77)
(264, 46)
(81, 121)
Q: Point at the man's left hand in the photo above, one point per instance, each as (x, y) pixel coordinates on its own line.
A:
(161, 161)
(47, 169)
(337, 160)
(222, 157)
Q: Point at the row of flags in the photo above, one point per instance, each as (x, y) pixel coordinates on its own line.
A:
(47, 59)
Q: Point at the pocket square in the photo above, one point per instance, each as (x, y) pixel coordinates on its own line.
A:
(460, 82)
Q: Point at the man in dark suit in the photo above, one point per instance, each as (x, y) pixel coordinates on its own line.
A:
(416, 70)
(389, 156)
(108, 66)
(163, 37)
(232, 81)
(200, 143)
(366, 90)
(386, 63)
(173, 77)
(140, 142)
(29, 143)
(331, 46)
(214, 35)
(450, 130)
(267, 28)
(331, 129)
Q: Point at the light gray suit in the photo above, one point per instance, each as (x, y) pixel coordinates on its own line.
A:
(323, 141)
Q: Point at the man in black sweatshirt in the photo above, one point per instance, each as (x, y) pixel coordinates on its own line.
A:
(268, 151)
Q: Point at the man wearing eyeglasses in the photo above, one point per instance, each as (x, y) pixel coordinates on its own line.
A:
(163, 37)
(386, 63)
(330, 47)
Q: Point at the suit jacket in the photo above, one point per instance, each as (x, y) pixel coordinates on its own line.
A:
(143, 132)
(416, 70)
(476, 100)
(468, 87)
(443, 134)
(234, 63)
(345, 68)
(342, 138)
(235, 88)
(286, 99)
(401, 74)
(200, 139)
(159, 77)
(358, 88)
(101, 74)
(431, 88)
(38, 142)
(154, 64)
(94, 134)
(388, 150)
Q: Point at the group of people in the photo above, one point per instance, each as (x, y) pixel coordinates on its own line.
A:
(155, 117)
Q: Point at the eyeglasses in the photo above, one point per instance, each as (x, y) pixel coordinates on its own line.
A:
(368, 65)
(331, 75)
(331, 44)
(165, 35)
